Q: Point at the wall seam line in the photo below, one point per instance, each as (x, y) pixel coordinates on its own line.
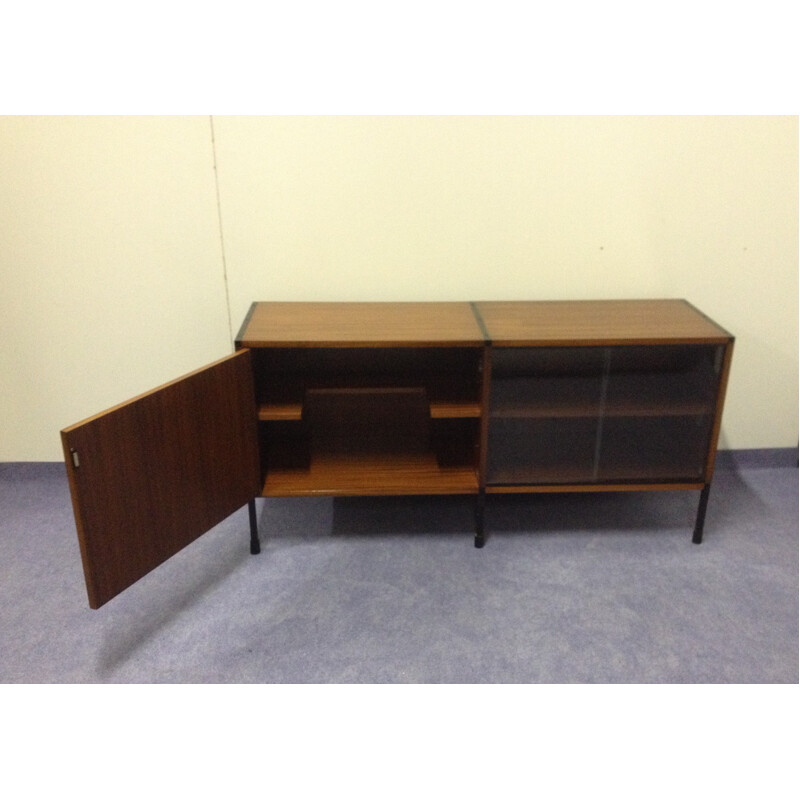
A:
(221, 234)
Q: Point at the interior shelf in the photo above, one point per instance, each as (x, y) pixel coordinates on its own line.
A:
(276, 410)
(630, 471)
(630, 408)
(626, 396)
(545, 397)
(658, 395)
(328, 474)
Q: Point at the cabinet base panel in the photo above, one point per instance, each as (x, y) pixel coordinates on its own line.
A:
(594, 487)
(420, 475)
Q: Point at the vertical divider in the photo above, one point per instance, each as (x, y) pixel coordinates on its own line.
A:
(486, 380)
(711, 454)
(601, 410)
(483, 442)
(483, 436)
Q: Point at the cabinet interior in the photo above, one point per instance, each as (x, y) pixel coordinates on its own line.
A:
(377, 420)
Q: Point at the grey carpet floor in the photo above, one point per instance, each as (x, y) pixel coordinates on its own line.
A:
(569, 589)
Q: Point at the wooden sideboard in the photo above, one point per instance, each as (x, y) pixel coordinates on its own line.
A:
(343, 399)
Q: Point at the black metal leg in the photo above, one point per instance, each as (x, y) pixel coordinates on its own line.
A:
(480, 506)
(255, 544)
(697, 538)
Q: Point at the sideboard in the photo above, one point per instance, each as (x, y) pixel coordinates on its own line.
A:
(445, 398)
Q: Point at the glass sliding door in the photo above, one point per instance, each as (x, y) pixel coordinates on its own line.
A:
(658, 412)
(544, 414)
(593, 415)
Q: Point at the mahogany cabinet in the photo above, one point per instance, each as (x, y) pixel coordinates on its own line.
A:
(401, 398)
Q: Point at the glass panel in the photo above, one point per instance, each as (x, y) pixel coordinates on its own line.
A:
(545, 450)
(653, 448)
(651, 381)
(601, 414)
(658, 412)
(544, 409)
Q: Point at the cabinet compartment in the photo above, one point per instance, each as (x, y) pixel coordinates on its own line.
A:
(662, 381)
(658, 413)
(541, 450)
(601, 414)
(543, 419)
(450, 376)
(369, 420)
(551, 382)
(671, 448)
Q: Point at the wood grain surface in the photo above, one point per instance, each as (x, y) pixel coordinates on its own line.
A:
(158, 471)
(360, 325)
(597, 322)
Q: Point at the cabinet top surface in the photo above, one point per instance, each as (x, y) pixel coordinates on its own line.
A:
(553, 322)
(360, 324)
(504, 323)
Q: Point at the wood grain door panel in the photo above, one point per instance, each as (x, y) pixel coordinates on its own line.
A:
(153, 474)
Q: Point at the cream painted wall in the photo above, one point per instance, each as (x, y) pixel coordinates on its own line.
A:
(111, 268)
(112, 263)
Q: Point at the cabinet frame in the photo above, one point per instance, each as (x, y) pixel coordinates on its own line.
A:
(344, 399)
(610, 323)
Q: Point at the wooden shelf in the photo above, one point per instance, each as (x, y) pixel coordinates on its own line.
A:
(455, 409)
(632, 473)
(545, 397)
(659, 395)
(375, 441)
(444, 409)
(541, 398)
(370, 475)
(631, 409)
(280, 412)
(444, 401)
(605, 486)
(634, 408)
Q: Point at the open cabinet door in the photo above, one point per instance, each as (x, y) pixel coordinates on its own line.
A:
(151, 475)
